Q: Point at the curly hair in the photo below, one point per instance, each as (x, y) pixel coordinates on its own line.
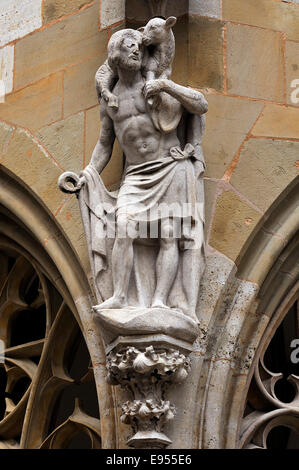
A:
(115, 43)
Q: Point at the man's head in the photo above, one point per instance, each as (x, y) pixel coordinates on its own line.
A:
(125, 49)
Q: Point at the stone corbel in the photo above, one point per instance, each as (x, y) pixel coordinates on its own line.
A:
(147, 365)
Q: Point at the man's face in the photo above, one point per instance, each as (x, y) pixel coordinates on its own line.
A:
(131, 53)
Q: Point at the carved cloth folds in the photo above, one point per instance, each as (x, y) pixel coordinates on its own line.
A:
(165, 188)
(169, 180)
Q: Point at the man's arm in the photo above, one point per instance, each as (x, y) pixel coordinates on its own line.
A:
(103, 149)
(193, 101)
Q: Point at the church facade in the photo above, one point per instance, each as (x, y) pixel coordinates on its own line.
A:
(242, 391)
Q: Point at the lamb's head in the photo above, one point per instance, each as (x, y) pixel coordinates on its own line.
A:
(157, 30)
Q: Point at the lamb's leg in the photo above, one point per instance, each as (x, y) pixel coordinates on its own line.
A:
(150, 76)
(105, 79)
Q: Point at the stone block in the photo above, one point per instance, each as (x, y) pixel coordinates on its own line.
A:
(264, 170)
(278, 121)
(64, 141)
(292, 72)
(269, 14)
(33, 165)
(36, 105)
(213, 286)
(261, 75)
(111, 11)
(210, 8)
(228, 122)
(206, 62)
(54, 9)
(67, 42)
(138, 10)
(79, 86)
(6, 68)
(180, 63)
(233, 222)
(18, 18)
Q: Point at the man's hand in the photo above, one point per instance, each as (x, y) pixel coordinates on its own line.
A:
(152, 87)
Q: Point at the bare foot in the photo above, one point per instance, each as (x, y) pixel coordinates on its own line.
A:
(158, 303)
(113, 302)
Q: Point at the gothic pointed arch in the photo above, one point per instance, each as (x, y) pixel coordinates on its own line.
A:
(256, 299)
(52, 364)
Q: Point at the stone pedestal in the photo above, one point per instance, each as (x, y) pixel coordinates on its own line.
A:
(147, 365)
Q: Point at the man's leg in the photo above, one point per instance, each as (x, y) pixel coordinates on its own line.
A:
(122, 263)
(193, 266)
(166, 265)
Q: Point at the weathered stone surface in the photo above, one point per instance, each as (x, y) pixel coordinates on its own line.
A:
(228, 122)
(69, 217)
(33, 165)
(233, 222)
(180, 63)
(206, 63)
(205, 8)
(67, 42)
(265, 168)
(54, 9)
(278, 121)
(292, 72)
(138, 10)
(36, 105)
(64, 140)
(112, 11)
(261, 75)
(79, 89)
(6, 67)
(113, 171)
(5, 134)
(212, 290)
(264, 13)
(19, 17)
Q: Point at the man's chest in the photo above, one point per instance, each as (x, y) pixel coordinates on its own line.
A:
(130, 103)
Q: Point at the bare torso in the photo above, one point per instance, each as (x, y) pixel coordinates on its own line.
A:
(134, 129)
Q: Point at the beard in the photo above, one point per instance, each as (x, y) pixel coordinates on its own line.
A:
(129, 63)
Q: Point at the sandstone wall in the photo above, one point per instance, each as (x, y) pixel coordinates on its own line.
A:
(244, 56)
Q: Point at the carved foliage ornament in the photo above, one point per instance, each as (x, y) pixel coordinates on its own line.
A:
(146, 374)
(38, 332)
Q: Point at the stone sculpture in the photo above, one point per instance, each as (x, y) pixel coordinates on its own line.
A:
(146, 242)
(156, 63)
